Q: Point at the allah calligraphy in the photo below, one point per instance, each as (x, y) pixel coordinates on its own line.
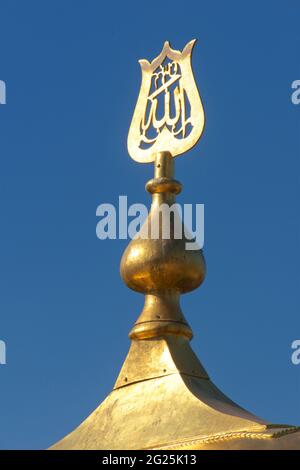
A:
(162, 81)
(169, 115)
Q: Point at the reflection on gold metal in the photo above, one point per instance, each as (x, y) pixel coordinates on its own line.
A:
(163, 397)
(169, 114)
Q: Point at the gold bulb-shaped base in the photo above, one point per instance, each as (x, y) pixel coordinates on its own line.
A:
(162, 268)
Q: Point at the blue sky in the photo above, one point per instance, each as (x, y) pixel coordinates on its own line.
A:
(72, 81)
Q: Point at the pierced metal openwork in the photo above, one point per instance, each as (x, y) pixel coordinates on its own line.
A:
(169, 115)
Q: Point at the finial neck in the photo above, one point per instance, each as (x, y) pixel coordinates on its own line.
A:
(163, 186)
(161, 316)
(164, 165)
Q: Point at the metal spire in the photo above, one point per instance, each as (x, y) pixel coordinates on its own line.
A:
(163, 397)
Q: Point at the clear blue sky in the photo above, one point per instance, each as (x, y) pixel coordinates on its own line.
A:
(72, 81)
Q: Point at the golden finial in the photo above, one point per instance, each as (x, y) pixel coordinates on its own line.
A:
(163, 397)
(168, 83)
(163, 268)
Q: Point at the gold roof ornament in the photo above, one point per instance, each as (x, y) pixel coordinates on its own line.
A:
(172, 133)
(163, 397)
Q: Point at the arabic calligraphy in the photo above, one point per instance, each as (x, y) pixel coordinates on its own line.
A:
(169, 115)
(163, 81)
